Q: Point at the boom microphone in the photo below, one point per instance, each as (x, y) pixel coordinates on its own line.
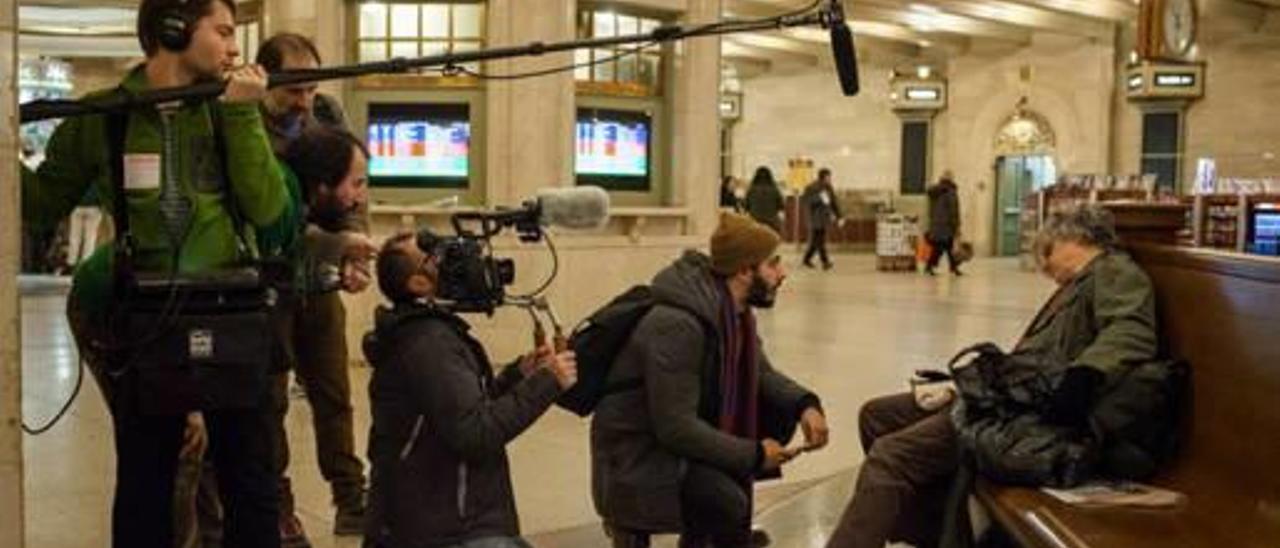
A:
(842, 50)
(577, 207)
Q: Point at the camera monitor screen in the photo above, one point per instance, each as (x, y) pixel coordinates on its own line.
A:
(613, 149)
(419, 145)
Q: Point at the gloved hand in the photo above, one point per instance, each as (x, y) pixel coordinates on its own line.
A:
(1073, 400)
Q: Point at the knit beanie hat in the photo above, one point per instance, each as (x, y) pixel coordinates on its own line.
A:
(740, 242)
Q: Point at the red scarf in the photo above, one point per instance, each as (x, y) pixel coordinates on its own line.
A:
(739, 376)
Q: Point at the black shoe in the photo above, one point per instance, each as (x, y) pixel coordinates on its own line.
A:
(956, 272)
(807, 264)
(930, 271)
(827, 266)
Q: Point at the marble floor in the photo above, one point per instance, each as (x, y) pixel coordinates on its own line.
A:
(850, 334)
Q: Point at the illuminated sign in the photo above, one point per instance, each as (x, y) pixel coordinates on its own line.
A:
(1175, 80)
(923, 94)
(1135, 81)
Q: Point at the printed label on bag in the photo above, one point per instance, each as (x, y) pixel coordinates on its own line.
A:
(200, 344)
(141, 171)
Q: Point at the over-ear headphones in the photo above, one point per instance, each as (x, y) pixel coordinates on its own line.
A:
(173, 27)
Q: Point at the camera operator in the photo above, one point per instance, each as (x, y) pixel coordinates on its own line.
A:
(183, 195)
(441, 418)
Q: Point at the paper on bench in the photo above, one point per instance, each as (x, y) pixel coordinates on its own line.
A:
(1117, 494)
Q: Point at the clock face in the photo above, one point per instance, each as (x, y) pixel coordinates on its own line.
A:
(1179, 26)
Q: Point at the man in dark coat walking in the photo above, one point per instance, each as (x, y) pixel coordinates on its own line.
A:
(820, 200)
(709, 414)
(944, 223)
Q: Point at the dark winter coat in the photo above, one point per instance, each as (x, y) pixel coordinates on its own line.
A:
(643, 439)
(441, 422)
(764, 203)
(820, 202)
(944, 211)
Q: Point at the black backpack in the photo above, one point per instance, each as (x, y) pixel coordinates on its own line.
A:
(597, 342)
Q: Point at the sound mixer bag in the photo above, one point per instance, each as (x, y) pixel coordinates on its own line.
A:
(199, 344)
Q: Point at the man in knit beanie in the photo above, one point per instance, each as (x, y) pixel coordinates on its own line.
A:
(703, 412)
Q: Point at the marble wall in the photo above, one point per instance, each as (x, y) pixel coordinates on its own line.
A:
(793, 113)
(11, 479)
(1068, 80)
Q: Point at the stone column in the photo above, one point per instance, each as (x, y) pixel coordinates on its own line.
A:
(696, 121)
(11, 513)
(530, 122)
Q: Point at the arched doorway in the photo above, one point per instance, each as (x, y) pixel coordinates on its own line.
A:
(1024, 147)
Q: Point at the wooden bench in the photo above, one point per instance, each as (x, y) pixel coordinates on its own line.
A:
(1221, 312)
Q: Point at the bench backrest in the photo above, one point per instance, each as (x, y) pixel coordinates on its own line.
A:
(1221, 312)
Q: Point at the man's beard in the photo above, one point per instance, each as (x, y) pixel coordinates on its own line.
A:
(759, 295)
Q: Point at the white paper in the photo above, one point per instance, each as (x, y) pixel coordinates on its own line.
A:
(141, 171)
(1117, 494)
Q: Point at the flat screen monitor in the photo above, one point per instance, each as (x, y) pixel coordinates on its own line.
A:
(419, 145)
(613, 149)
(1264, 230)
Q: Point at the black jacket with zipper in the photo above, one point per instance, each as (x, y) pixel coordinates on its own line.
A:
(441, 422)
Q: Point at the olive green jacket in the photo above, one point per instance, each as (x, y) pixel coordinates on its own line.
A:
(1105, 318)
(77, 161)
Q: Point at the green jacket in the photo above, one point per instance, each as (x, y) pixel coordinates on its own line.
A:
(1105, 318)
(77, 160)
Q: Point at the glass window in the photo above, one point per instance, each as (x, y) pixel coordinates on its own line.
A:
(603, 70)
(636, 69)
(605, 26)
(416, 28)
(468, 21)
(627, 68)
(628, 25)
(373, 20)
(373, 51)
(404, 49)
(404, 21)
(435, 21)
(434, 48)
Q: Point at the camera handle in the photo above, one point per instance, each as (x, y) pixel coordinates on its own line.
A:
(534, 306)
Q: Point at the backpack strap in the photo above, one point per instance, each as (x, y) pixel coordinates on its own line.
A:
(232, 206)
(117, 128)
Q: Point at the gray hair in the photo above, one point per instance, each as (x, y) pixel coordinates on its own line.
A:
(1087, 224)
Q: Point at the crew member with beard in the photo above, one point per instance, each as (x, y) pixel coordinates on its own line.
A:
(334, 246)
(331, 167)
(710, 414)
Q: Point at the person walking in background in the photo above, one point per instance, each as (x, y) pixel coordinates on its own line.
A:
(820, 200)
(764, 200)
(944, 223)
(729, 198)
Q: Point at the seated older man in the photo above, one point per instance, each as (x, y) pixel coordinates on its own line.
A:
(1101, 321)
